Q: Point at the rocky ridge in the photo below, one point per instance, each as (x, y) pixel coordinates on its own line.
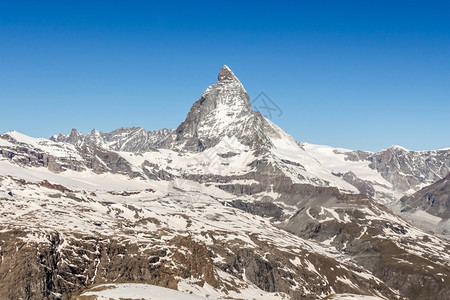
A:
(133, 139)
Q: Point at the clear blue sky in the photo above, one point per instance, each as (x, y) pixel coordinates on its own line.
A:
(354, 74)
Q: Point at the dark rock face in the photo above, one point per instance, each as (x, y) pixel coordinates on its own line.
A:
(269, 273)
(29, 272)
(257, 270)
(358, 155)
(364, 187)
(434, 199)
(102, 161)
(260, 208)
(42, 271)
(226, 74)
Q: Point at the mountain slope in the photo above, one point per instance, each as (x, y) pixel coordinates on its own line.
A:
(161, 235)
(411, 170)
(433, 199)
(132, 139)
(429, 206)
(25, 152)
(94, 228)
(230, 205)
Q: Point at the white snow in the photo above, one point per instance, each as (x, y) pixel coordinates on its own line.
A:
(138, 291)
(47, 146)
(187, 208)
(86, 180)
(353, 297)
(317, 162)
(296, 262)
(397, 147)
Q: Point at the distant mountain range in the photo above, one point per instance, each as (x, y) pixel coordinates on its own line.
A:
(228, 204)
(133, 139)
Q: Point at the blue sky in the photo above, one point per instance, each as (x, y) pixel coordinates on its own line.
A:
(353, 74)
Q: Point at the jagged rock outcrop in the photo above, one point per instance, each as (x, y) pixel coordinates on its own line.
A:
(59, 157)
(408, 170)
(133, 139)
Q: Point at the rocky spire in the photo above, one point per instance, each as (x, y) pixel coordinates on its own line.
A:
(226, 74)
(223, 110)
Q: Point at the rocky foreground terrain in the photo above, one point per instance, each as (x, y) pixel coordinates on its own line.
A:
(226, 206)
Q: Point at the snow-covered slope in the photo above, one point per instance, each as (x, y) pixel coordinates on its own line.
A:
(59, 150)
(135, 291)
(151, 292)
(82, 203)
(229, 206)
(134, 139)
(209, 247)
(352, 297)
(356, 172)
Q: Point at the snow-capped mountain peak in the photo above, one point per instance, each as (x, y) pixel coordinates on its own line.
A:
(223, 110)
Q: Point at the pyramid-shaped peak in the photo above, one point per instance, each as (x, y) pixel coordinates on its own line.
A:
(226, 74)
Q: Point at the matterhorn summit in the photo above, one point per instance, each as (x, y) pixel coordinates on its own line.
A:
(223, 110)
(226, 74)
